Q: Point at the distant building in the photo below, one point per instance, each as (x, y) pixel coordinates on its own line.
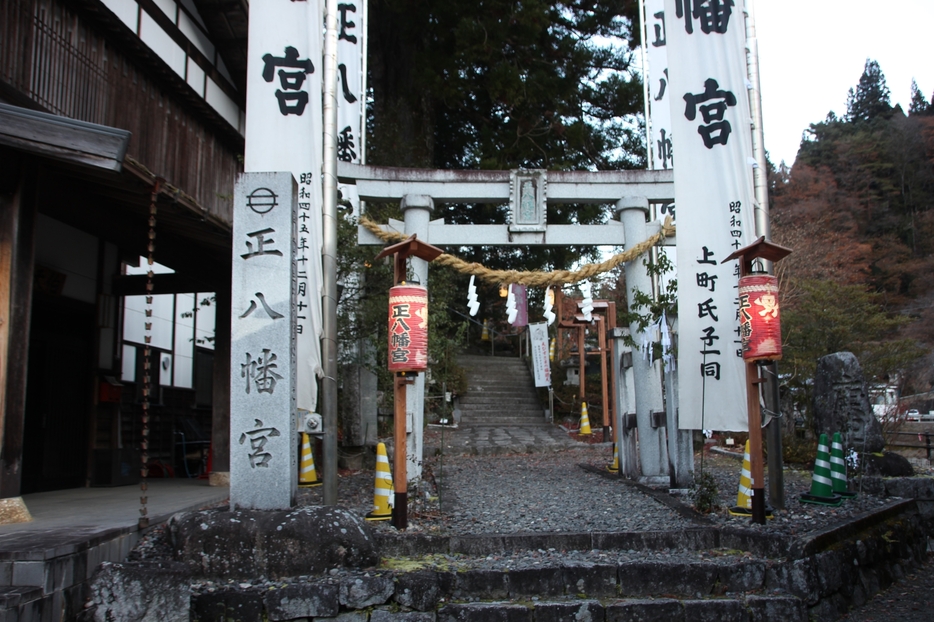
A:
(107, 109)
(884, 401)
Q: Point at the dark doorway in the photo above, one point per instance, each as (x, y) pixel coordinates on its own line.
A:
(58, 394)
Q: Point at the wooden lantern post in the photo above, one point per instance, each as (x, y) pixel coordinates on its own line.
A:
(760, 249)
(411, 247)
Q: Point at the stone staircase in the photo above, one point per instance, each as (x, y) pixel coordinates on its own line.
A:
(501, 393)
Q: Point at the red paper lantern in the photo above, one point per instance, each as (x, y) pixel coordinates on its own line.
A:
(760, 322)
(408, 328)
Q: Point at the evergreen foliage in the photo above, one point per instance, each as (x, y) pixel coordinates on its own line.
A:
(870, 98)
(857, 210)
(918, 105)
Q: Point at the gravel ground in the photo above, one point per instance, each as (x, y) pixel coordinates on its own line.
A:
(560, 492)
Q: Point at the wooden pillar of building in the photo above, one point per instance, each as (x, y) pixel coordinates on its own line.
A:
(17, 247)
(220, 398)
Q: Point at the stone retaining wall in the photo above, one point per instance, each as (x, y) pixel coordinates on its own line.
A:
(818, 577)
(50, 581)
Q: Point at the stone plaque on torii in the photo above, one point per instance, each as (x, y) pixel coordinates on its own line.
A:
(528, 193)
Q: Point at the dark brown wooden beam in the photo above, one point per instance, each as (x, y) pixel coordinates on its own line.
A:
(17, 247)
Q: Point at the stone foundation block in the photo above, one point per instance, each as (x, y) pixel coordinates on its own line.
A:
(715, 610)
(302, 600)
(418, 590)
(580, 611)
(485, 612)
(361, 592)
(645, 610)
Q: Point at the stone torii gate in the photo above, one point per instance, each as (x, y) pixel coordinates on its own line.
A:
(528, 193)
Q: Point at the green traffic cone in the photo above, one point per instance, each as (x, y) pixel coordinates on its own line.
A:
(821, 484)
(838, 468)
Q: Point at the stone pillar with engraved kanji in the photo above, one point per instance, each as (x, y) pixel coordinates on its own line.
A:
(263, 436)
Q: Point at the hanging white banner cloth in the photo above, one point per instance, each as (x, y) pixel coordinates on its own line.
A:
(710, 129)
(658, 93)
(284, 133)
(351, 94)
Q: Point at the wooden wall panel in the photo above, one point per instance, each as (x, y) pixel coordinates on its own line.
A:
(61, 62)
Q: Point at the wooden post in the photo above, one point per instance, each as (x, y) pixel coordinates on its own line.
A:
(755, 443)
(400, 252)
(581, 363)
(746, 255)
(601, 331)
(400, 512)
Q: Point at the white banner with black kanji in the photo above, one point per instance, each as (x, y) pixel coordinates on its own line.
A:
(710, 129)
(658, 114)
(284, 133)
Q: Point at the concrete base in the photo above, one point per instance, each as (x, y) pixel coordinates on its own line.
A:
(219, 478)
(13, 510)
(655, 481)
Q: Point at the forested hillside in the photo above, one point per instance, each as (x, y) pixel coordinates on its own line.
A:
(857, 208)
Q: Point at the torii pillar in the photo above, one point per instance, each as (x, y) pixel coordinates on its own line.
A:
(653, 445)
(416, 210)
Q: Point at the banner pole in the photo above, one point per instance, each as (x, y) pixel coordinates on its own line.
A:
(329, 256)
(760, 177)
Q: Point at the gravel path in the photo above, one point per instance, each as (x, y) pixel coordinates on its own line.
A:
(560, 492)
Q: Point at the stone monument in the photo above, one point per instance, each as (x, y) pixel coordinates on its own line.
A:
(841, 403)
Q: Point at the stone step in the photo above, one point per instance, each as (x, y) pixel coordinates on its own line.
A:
(584, 592)
(510, 403)
(502, 413)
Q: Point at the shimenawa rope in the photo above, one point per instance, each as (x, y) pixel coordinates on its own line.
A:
(532, 278)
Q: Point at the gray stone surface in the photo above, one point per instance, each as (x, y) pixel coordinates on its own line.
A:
(771, 608)
(645, 610)
(308, 540)
(642, 578)
(381, 615)
(485, 612)
(578, 611)
(302, 600)
(226, 605)
(841, 403)
(418, 590)
(141, 592)
(715, 610)
(263, 433)
(366, 591)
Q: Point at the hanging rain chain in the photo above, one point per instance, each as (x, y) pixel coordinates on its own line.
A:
(147, 359)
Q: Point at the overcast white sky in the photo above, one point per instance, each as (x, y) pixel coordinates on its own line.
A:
(811, 52)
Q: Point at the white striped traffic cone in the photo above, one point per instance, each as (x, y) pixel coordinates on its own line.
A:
(821, 483)
(383, 494)
(585, 421)
(308, 477)
(743, 505)
(744, 495)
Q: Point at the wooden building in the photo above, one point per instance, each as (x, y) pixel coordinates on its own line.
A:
(108, 109)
